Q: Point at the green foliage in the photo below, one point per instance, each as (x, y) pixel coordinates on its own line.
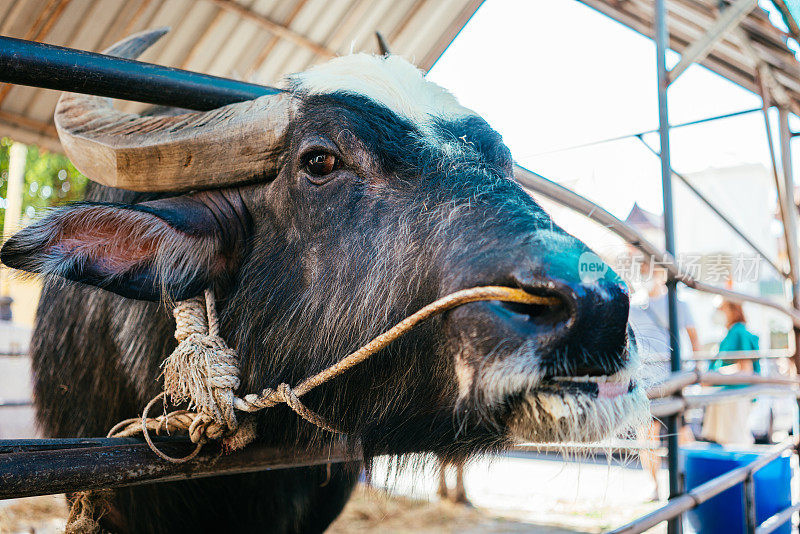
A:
(50, 180)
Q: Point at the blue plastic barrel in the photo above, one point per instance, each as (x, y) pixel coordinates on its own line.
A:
(724, 514)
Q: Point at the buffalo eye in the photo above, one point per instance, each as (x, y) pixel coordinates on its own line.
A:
(319, 164)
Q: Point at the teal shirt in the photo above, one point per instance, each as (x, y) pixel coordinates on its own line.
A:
(737, 339)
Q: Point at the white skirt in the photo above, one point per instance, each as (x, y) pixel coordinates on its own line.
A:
(727, 422)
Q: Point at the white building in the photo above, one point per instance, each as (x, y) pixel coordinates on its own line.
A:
(706, 245)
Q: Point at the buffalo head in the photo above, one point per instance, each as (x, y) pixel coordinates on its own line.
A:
(330, 211)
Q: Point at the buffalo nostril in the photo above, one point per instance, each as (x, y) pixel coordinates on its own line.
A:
(539, 319)
(551, 314)
(584, 333)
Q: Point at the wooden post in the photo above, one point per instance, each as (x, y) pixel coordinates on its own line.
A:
(16, 178)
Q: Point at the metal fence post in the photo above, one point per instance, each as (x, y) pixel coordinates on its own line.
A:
(672, 422)
(749, 505)
(789, 212)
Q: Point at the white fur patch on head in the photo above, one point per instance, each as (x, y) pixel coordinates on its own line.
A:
(388, 80)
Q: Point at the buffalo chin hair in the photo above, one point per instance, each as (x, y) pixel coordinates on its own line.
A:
(557, 417)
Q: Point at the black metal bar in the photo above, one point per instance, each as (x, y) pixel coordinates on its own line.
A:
(719, 214)
(26, 474)
(8, 446)
(65, 69)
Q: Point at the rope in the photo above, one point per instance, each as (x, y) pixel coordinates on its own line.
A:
(203, 372)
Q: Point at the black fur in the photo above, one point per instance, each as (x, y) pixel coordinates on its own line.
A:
(413, 213)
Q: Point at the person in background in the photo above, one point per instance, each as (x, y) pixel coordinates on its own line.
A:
(725, 422)
(649, 319)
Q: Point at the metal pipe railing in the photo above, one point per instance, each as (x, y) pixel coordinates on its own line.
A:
(43, 466)
(677, 381)
(777, 520)
(667, 406)
(65, 69)
(8, 446)
(700, 356)
(702, 493)
(539, 184)
(673, 384)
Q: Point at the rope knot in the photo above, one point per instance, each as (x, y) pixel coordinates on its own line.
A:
(202, 370)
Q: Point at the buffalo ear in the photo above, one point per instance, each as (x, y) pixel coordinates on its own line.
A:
(165, 249)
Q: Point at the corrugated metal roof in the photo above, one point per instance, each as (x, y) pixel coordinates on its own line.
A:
(733, 57)
(255, 40)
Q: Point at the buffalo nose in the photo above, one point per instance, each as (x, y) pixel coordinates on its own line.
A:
(584, 334)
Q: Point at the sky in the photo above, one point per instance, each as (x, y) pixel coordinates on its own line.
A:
(554, 74)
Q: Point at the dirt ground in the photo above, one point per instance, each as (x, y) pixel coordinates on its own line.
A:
(370, 510)
(373, 510)
(39, 515)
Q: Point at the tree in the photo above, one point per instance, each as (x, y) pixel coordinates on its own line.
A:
(50, 180)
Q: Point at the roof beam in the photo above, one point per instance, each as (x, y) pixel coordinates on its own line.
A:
(28, 137)
(794, 29)
(29, 124)
(450, 34)
(765, 76)
(39, 30)
(698, 50)
(29, 131)
(274, 27)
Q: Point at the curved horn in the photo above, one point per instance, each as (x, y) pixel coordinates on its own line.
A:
(231, 144)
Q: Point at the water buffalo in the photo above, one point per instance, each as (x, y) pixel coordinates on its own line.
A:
(320, 216)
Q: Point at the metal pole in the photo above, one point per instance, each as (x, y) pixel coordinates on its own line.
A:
(672, 422)
(789, 213)
(17, 155)
(786, 198)
(65, 69)
(703, 492)
(749, 505)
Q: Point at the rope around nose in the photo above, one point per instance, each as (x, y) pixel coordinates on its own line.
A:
(204, 372)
